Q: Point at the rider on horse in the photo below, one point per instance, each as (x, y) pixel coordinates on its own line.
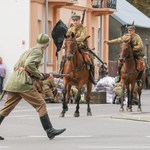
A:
(137, 48)
(80, 33)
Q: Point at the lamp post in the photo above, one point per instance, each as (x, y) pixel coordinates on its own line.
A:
(46, 31)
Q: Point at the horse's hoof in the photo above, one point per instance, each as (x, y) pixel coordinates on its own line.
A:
(62, 115)
(89, 114)
(139, 110)
(76, 114)
(121, 109)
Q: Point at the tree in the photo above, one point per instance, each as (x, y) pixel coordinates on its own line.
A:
(142, 5)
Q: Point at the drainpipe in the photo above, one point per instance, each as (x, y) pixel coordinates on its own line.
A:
(46, 31)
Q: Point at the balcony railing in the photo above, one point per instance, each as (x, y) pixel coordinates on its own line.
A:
(104, 4)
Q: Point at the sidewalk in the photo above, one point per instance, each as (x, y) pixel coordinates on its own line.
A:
(135, 115)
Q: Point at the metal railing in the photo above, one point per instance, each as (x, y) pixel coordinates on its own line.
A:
(104, 4)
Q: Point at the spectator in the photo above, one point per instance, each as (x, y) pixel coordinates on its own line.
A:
(2, 74)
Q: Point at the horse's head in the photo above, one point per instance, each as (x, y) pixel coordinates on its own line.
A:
(70, 46)
(126, 51)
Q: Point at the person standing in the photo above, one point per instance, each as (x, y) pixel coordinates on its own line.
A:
(2, 74)
(20, 85)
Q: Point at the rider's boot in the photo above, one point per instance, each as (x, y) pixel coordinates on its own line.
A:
(92, 74)
(62, 66)
(1, 119)
(51, 132)
(139, 79)
(118, 78)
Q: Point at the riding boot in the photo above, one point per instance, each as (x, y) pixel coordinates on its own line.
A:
(139, 78)
(92, 74)
(51, 132)
(1, 119)
(118, 78)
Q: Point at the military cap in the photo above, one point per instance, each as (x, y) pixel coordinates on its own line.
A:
(43, 40)
(75, 16)
(131, 27)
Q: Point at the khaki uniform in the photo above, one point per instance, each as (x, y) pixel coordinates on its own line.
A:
(136, 41)
(80, 33)
(20, 84)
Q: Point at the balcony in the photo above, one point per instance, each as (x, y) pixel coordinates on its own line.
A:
(61, 3)
(104, 4)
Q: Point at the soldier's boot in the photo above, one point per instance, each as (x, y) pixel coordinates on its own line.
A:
(139, 78)
(62, 66)
(92, 74)
(51, 132)
(118, 78)
(1, 119)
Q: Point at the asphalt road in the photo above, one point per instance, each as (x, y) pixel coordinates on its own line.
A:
(106, 129)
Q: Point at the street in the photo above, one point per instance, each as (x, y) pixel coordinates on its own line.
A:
(106, 129)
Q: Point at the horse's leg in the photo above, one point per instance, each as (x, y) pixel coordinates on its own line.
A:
(88, 93)
(122, 98)
(64, 103)
(78, 97)
(131, 88)
(139, 102)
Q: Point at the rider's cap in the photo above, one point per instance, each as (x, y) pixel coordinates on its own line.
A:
(131, 27)
(75, 17)
(43, 39)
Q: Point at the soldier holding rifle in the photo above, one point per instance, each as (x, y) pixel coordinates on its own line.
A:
(20, 85)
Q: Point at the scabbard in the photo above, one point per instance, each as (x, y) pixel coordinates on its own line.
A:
(2, 95)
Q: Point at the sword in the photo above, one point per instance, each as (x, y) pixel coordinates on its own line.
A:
(98, 58)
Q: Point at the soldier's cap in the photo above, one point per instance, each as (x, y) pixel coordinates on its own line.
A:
(75, 17)
(43, 40)
(131, 27)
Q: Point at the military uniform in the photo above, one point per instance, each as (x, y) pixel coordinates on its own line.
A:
(20, 85)
(80, 33)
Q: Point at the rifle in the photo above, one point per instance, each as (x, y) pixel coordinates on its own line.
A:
(2, 95)
(57, 75)
(83, 15)
(98, 58)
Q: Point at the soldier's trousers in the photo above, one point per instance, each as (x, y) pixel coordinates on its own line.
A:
(32, 97)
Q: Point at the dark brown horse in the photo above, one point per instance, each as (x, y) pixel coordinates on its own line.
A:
(79, 75)
(129, 75)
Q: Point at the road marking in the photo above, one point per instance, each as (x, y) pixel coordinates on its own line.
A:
(4, 147)
(114, 147)
(78, 136)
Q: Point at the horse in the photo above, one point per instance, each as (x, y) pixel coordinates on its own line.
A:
(129, 74)
(79, 76)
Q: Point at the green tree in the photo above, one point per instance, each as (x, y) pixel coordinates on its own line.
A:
(142, 5)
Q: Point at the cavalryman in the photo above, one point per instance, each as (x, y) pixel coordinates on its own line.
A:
(80, 33)
(20, 85)
(137, 48)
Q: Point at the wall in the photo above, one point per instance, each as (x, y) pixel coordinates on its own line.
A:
(14, 31)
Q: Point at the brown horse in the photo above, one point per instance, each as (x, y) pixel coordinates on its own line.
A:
(129, 75)
(79, 75)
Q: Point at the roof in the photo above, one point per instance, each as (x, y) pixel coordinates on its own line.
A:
(127, 13)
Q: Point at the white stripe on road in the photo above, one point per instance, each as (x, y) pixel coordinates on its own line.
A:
(114, 147)
(4, 147)
(78, 136)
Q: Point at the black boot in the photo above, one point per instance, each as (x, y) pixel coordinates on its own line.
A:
(118, 78)
(51, 132)
(139, 79)
(1, 119)
(91, 70)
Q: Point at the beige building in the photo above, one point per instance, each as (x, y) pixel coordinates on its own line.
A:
(96, 20)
